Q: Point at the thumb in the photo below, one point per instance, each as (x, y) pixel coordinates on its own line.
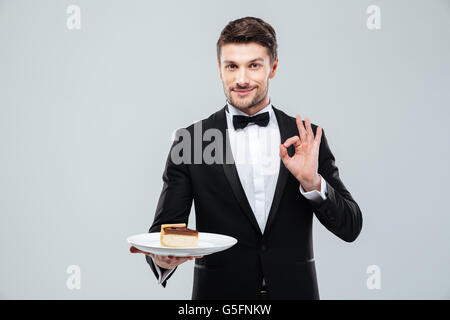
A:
(135, 250)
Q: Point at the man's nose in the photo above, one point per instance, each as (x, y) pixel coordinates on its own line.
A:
(242, 78)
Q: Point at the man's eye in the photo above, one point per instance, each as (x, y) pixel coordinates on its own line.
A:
(230, 66)
(254, 65)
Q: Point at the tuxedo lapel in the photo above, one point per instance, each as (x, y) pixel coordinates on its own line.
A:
(287, 130)
(230, 170)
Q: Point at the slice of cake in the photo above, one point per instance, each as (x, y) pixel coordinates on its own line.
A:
(177, 235)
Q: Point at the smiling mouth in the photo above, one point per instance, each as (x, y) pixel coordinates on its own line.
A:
(243, 93)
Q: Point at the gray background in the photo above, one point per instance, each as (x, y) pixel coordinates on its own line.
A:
(86, 118)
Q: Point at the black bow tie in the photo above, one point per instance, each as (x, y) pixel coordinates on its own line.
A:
(240, 122)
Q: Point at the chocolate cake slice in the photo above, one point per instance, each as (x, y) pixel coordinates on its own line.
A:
(177, 235)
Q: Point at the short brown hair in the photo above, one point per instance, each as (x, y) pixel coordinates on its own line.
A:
(249, 29)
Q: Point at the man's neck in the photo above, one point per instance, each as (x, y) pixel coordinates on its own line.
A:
(255, 109)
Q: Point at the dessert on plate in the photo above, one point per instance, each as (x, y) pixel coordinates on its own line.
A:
(177, 235)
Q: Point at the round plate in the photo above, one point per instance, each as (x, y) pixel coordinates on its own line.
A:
(208, 243)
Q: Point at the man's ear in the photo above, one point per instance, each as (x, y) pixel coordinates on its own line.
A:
(220, 69)
(273, 70)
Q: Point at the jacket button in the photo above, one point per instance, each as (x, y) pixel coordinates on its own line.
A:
(263, 247)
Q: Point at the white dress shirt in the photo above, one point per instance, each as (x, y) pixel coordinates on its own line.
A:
(256, 154)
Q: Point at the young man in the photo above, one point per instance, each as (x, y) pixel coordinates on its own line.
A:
(286, 173)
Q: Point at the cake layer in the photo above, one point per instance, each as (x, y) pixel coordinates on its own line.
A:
(179, 241)
(180, 230)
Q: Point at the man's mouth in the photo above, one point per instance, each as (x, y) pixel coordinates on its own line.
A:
(243, 92)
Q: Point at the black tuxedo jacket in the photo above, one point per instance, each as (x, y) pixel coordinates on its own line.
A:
(283, 254)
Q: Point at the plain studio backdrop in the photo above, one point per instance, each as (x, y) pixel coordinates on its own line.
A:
(86, 118)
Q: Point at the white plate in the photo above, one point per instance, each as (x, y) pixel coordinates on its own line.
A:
(208, 243)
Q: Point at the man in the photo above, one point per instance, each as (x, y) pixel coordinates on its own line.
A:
(267, 199)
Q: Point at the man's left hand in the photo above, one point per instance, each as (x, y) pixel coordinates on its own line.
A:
(304, 163)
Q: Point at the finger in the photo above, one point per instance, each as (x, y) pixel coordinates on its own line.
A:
(179, 261)
(164, 259)
(309, 132)
(180, 258)
(136, 250)
(284, 154)
(318, 137)
(301, 128)
(195, 257)
(133, 249)
(175, 259)
(169, 261)
(292, 140)
(283, 151)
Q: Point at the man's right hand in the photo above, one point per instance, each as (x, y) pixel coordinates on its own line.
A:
(166, 262)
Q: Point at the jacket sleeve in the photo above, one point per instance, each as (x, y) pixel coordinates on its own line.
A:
(339, 212)
(175, 201)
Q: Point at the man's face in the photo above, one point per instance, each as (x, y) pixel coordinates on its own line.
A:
(245, 70)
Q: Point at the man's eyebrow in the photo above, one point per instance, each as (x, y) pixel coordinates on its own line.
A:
(254, 60)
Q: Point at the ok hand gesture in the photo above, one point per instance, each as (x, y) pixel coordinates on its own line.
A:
(304, 164)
